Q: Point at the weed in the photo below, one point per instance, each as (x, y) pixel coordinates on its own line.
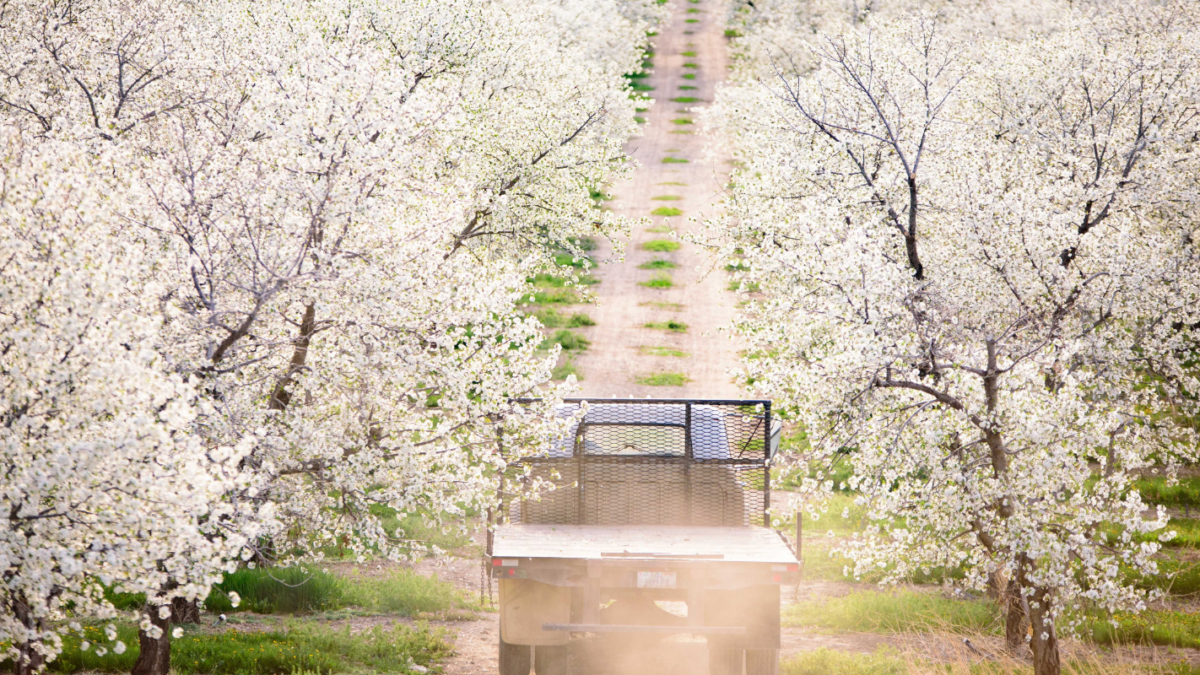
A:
(666, 211)
(690, 65)
(667, 198)
(663, 379)
(663, 351)
(681, 120)
(732, 33)
(579, 320)
(691, 10)
(689, 54)
(658, 265)
(671, 325)
(658, 281)
(674, 160)
(661, 245)
(684, 99)
(688, 76)
(687, 87)
(691, 20)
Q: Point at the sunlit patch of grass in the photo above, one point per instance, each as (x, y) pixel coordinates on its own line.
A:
(658, 265)
(658, 281)
(675, 160)
(825, 661)
(689, 54)
(671, 325)
(732, 33)
(667, 198)
(684, 99)
(568, 340)
(663, 379)
(663, 351)
(691, 20)
(687, 87)
(661, 245)
(666, 211)
(897, 611)
(690, 65)
(567, 368)
(681, 120)
(672, 183)
(639, 120)
(688, 76)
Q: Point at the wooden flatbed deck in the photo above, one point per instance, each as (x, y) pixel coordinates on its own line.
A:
(642, 542)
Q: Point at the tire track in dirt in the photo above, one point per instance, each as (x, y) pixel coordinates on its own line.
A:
(620, 342)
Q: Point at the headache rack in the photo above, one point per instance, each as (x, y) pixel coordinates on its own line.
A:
(650, 462)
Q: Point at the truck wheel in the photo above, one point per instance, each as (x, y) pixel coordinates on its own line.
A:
(550, 660)
(762, 661)
(724, 660)
(514, 659)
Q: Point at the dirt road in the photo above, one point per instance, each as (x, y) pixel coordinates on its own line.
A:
(623, 350)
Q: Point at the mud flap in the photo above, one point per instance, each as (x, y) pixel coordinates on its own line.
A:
(526, 605)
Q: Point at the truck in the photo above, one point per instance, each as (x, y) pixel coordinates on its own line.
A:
(650, 517)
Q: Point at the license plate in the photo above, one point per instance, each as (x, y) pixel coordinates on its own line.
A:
(656, 580)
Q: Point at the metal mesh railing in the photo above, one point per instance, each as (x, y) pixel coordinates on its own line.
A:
(651, 462)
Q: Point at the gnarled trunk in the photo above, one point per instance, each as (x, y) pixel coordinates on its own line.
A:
(155, 656)
(185, 611)
(1037, 607)
(29, 660)
(1014, 615)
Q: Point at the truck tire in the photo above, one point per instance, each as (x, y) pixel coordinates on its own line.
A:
(724, 660)
(514, 659)
(550, 660)
(762, 661)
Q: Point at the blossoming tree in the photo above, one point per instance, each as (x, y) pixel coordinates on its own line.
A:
(980, 275)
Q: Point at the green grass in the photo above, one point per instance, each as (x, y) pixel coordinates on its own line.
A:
(671, 325)
(565, 259)
(688, 76)
(1187, 533)
(825, 661)
(664, 306)
(667, 198)
(555, 296)
(732, 33)
(309, 648)
(689, 54)
(685, 99)
(659, 229)
(639, 120)
(744, 286)
(657, 265)
(898, 611)
(641, 110)
(1172, 629)
(663, 379)
(658, 281)
(739, 266)
(551, 318)
(568, 340)
(690, 65)
(691, 20)
(567, 368)
(666, 211)
(691, 10)
(681, 120)
(674, 160)
(637, 85)
(672, 183)
(682, 131)
(663, 351)
(687, 87)
(661, 245)
(287, 590)
(1185, 493)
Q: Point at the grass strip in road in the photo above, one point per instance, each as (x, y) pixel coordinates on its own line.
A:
(666, 198)
(689, 76)
(665, 306)
(671, 325)
(663, 351)
(687, 87)
(661, 245)
(690, 65)
(689, 54)
(672, 183)
(663, 379)
(666, 211)
(681, 120)
(657, 265)
(691, 20)
(675, 160)
(658, 281)
(659, 229)
(684, 99)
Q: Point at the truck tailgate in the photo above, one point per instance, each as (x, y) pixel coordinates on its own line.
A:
(645, 542)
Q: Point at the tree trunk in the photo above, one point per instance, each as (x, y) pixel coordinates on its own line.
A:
(1037, 608)
(29, 660)
(155, 656)
(281, 397)
(185, 611)
(1014, 615)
